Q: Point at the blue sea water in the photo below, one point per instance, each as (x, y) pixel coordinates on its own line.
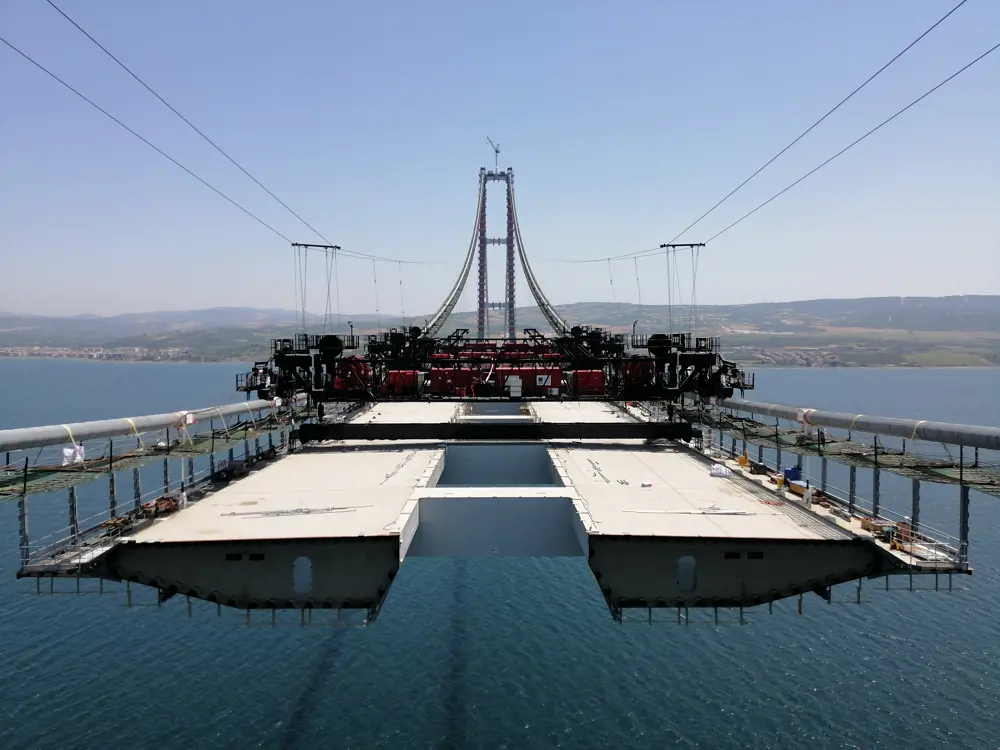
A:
(502, 653)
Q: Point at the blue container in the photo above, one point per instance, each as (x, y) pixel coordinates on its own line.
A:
(792, 474)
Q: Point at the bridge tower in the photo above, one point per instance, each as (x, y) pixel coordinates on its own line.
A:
(478, 247)
(484, 241)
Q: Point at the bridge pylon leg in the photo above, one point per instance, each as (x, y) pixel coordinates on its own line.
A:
(511, 323)
(483, 291)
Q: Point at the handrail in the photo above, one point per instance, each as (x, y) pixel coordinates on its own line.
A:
(974, 436)
(39, 437)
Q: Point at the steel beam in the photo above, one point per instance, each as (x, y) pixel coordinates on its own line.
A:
(523, 431)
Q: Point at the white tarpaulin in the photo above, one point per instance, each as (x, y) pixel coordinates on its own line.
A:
(718, 470)
(73, 455)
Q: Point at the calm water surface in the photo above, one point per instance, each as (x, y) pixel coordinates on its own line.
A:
(501, 653)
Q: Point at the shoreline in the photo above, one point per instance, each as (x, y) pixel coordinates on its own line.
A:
(749, 367)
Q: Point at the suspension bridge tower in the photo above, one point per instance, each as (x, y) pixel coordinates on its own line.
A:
(478, 249)
(484, 241)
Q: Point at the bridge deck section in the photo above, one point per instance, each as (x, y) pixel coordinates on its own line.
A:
(327, 490)
(577, 411)
(667, 491)
(628, 488)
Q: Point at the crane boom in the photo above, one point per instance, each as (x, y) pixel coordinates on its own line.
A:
(496, 152)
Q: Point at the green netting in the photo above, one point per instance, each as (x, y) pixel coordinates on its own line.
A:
(984, 478)
(48, 478)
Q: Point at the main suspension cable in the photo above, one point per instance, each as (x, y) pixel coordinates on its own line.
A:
(175, 162)
(190, 124)
(158, 150)
(812, 127)
(854, 143)
(803, 134)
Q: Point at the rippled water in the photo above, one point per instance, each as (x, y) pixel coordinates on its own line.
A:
(502, 653)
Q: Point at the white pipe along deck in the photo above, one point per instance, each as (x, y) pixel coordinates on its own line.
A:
(38, 437)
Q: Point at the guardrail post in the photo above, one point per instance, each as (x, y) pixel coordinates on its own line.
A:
(22, 518)
(963, 523)
(166, 475)
(876, 483)
(190, 466)
(112, 498)
(777, 447)
(136, 488)
(852, 489)
(915, 506)
(74, 524)
(822, 473)
(963, 508)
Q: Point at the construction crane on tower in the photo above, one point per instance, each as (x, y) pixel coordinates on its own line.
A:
(496, 152)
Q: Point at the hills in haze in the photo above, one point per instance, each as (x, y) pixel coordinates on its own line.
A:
(874, 330)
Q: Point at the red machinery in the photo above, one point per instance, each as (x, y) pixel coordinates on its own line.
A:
(583, 363)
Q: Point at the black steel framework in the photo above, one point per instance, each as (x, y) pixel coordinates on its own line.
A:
(585, 364)
(512, 431)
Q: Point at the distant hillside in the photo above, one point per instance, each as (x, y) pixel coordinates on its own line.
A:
(966, 314)
(94, 330)
(873, 330)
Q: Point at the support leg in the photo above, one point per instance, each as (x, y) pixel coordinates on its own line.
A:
(876, 486)
(22, 523)
(74, 523)
(852, 489)
(963, 524)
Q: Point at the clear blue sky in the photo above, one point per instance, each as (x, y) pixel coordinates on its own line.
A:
(623, 123)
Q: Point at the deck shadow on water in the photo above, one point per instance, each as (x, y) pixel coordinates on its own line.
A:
(304, 710)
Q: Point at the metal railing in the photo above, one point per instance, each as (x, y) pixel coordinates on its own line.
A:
(935, 545)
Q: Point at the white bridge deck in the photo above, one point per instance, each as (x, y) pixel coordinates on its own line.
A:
(625, 487)
(334, 489)
(668, 491)
(369, 488)
(330, 524)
